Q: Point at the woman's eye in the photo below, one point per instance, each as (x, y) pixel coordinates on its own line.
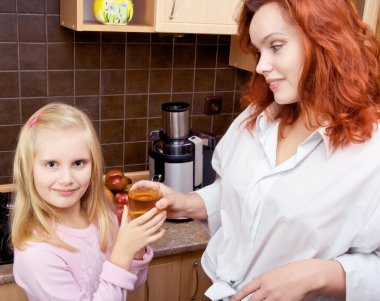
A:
(276, 47)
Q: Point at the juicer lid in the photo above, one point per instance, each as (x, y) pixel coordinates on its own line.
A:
(175, 106)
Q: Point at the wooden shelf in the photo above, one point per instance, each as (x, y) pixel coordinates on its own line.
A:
(78, 15)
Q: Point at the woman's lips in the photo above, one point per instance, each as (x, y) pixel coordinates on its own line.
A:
(274, 83)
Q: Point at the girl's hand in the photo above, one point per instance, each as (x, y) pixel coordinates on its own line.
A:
(134, 235)
(175, 203)
(295, 281)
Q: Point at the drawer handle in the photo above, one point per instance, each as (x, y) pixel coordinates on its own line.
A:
(197, 281)
(172, 12)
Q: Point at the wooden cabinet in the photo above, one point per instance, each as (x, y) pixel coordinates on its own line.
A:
(196, 16)
(178, 16)
(174, 278)
(194, 281)
(12, 292)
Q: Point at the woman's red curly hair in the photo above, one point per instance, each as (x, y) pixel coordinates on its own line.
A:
(340, 78)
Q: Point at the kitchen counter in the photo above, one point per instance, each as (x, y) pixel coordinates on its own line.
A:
(179, 238)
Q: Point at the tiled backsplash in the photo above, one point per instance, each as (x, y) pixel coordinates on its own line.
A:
(119, 79)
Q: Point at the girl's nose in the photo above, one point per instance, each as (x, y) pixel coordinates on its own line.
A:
(263, 64)
(66, 176)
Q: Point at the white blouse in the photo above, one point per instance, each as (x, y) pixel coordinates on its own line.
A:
(319, 203)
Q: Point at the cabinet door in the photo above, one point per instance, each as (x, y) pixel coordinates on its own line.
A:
(164, 279)
(12, 292)
(194, 281)
(197, 16)
(139, 295)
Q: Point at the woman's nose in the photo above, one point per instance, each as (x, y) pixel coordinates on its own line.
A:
(263, 64)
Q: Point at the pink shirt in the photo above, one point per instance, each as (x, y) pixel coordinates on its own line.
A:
(47, 272)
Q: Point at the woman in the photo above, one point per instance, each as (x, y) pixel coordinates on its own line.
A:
(294, 213)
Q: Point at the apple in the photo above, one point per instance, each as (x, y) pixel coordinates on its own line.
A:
(116, 183)
(121, 198)
(119, 212)
(113, 172)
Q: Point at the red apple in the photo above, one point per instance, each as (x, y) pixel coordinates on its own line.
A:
(116, 183)
(121, 198)
(113, 172)
(119, 212)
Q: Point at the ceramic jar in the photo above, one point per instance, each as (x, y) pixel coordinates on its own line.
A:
(115, 12)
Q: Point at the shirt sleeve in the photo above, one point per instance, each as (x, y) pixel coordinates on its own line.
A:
(362, 263)
(140, 267)
(44, 275)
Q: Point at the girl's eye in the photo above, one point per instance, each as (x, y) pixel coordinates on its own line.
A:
(276, 47)
(79, 163)
(51, 164)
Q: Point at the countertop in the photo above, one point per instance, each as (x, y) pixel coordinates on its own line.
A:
(179, 238)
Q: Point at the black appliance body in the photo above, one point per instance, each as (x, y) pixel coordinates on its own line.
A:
(180, 157)
(6, 250)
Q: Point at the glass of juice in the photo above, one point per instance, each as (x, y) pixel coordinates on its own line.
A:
(141, 200)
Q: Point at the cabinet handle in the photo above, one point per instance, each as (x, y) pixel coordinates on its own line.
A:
(172, 12)
(197, 281)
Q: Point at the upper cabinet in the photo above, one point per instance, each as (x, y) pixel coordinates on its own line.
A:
(176, 16)
(197, 16)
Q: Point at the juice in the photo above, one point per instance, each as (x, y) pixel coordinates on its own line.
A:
(141, 200)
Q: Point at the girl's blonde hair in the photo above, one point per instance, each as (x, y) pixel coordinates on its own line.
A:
(33, 219)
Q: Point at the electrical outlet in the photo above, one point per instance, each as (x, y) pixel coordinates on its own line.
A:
(213, 105)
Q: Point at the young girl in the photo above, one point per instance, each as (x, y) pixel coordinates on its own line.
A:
(66, 242)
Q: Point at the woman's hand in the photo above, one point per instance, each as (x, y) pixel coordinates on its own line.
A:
(295, 281)
(175, 203)
(134, 235)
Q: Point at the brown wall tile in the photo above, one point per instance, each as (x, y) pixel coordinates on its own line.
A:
(8, 56)
(33, 83)
(8, 137)
(7, 6)
(111, 131)
(160, 81)
(8, 25)
(31, 28)
(27, 6)
(113, 56)
(136, 81)
(9, 84)
(61, 56)
(136, 106)
(137, 56)
(112, 107)
(135, 153)
(113, 154)
(61, 83)
(9, 111)
(90, 105)
(32, 56)
(30, 105)
(112, 81)
(87, 82)
(183, 80)
(87, 56)
(135, 130)
(6, 166)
